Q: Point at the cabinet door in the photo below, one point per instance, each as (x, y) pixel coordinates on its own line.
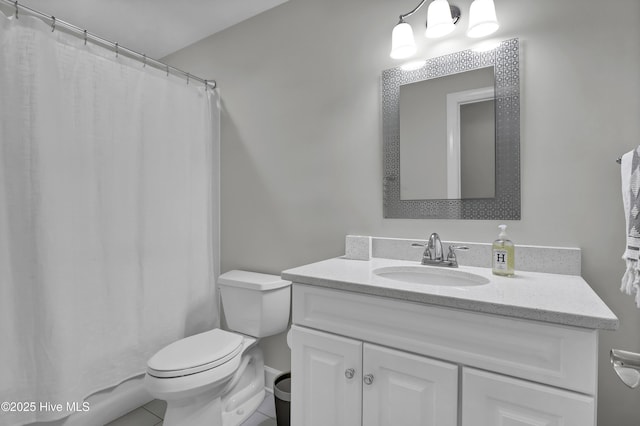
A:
(490, 399)
(407, 390)
(326, 379)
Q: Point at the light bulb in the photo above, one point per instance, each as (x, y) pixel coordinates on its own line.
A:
(482, 19)
(439, 19)
(403, 44)
(413, 65)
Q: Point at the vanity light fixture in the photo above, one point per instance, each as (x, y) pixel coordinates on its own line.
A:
(403, 45)
(441, 20)
(482, 19)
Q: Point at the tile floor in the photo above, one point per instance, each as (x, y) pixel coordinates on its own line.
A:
(151, 414)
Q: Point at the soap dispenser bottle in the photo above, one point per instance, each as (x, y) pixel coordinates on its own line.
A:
(503, 251)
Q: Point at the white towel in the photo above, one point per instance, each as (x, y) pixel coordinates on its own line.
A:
(630, 173)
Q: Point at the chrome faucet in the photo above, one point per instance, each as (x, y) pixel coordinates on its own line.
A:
(433, 252)
(435, 247)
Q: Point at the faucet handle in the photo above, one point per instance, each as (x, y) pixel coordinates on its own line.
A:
(452, 252)
(427, 252)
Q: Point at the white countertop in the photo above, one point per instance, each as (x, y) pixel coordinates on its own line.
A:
(553, 298)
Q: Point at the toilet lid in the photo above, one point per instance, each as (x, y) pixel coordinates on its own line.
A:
(195, 354)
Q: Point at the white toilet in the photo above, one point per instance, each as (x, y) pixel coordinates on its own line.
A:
(216, 378)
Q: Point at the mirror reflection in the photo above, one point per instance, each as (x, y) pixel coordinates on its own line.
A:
(447, 137)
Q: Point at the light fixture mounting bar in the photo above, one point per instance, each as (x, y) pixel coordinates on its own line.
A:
(406, 15)
(455, 12)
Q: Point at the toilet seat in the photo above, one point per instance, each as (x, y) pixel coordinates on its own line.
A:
(195, 354)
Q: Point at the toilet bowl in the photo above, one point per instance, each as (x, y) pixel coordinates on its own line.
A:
(216, 378)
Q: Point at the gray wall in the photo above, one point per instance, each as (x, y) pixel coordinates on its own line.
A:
(302, 140)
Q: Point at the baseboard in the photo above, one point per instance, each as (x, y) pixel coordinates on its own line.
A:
(270, 375)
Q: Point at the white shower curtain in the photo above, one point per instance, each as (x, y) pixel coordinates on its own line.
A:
(108, 213)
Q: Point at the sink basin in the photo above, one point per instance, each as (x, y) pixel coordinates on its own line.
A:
(429, 275)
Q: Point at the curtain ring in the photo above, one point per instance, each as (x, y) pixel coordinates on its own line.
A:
(116, 50)
(85, 37)
(53, 23)
(206, 85)
(144, 60)
(16, 4)
(188, 78)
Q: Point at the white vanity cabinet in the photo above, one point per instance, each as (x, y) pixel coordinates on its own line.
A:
(359, 359)
(330, 390)
(490, 399)
(342, 381)
(406, 389)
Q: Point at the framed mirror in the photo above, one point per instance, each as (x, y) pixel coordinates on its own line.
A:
(451, 134)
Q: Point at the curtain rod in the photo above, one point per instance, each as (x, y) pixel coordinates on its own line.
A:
(117, 48)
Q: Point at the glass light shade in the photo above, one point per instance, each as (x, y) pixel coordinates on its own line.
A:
(403, 44)
(482, 19)
(439, 19)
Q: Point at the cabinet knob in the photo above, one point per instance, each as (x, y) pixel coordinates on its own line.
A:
(349, 373)
(368, 379)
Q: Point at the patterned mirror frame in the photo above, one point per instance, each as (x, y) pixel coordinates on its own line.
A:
(506, 204)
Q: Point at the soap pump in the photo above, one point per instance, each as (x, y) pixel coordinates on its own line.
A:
(503, 252)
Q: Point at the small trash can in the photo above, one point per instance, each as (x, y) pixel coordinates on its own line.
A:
(282, 397)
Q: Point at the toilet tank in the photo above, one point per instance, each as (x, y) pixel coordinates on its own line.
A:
(255, 304)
